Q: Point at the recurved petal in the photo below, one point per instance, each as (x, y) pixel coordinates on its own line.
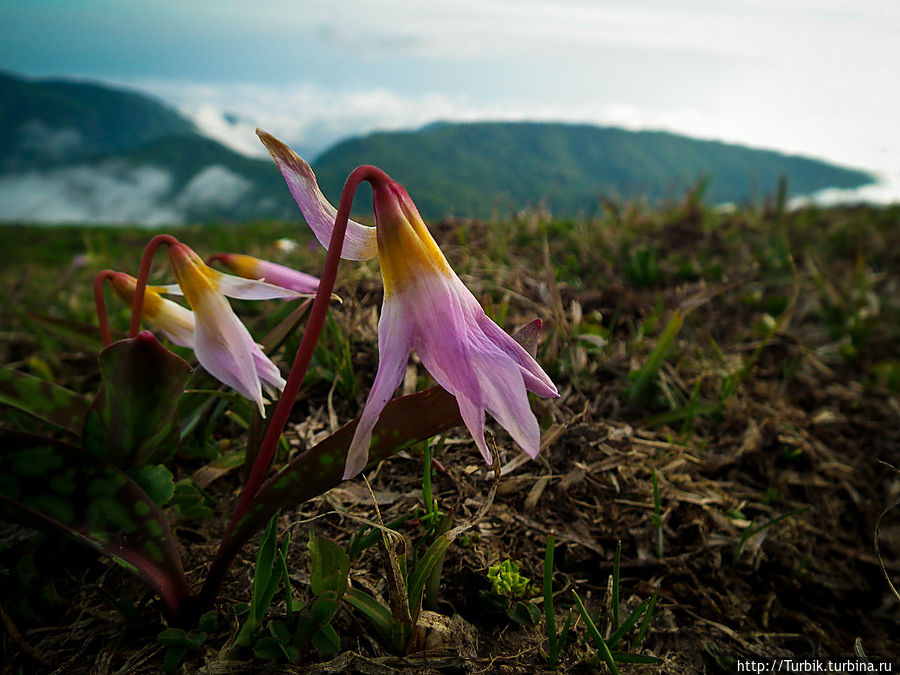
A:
(239, 288)
(248, 267)
(359, 242)
(225, 348)
(440, 332)
(504, 396)
(472, 358)
(473, 417)
(536, 380)
(268, 372)
(393, 353)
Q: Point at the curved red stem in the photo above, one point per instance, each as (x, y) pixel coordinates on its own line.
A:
(100, 304)
(310, 335)
(298, 371)
(146, 260)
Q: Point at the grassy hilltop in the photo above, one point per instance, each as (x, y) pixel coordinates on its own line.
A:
(745, 363)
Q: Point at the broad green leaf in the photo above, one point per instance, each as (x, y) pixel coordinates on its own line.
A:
(267, 648)
(326, 640)
(133, 420)
(322, 609)
(419, 577)
(157, 481)
(47, 401)
(329, 568)
(48, 484)
(265, 577)
(403, 423)
(525, 613)
(174, 636)
(378, 614)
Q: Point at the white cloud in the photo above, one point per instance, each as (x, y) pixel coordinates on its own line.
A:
(108, 194)
(311, 117)
(214, 187)
(306, 115)
(885, 191)
(114, 193)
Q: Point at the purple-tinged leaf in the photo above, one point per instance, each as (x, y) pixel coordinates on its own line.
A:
(134, 419)
(51, 485)
(529, 335)
(47, 401)
(404, 422)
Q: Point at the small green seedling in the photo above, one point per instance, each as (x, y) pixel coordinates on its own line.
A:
(640, 391)
(308, 623)
(180, 642)
(643, 613)
(509, 593)
(266, 576)
(752, 531)
(397, 623)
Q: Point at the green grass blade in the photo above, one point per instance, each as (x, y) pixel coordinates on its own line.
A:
(639, 391)
(645, 624)
(605, 654)
(378, 614)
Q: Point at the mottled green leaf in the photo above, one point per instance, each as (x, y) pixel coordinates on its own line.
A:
(404, 422)
(157, 481)
(51, 485)
(329, 568)
(47, 401)
(134, 419)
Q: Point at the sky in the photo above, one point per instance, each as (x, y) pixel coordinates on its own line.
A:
(817, 78)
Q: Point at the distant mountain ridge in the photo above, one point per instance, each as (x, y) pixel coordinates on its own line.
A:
(80, 119)
(472, 168)
(82, 152)
(91, 153)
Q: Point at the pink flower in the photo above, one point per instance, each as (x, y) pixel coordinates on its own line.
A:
(426, 308)
(253, 268)
(173, 320)
(223, 345)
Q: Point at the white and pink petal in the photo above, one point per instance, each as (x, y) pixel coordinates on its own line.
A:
(360, 241)
(393, 353)
(225, 348)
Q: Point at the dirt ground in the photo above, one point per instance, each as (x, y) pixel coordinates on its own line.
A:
(769, 503)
